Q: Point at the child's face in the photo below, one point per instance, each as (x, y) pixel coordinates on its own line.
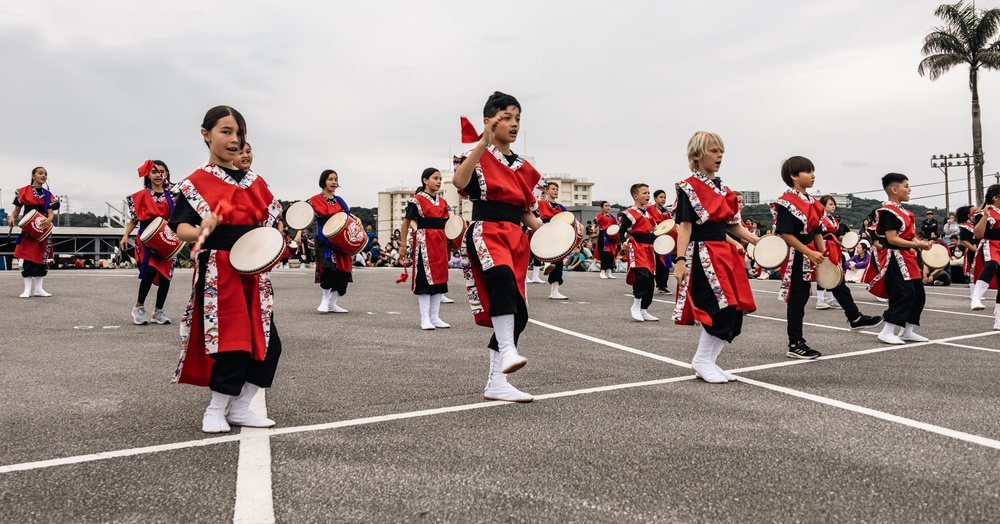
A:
(902, 191)
(223, 141)
(552, 192)
(245, 159)
(804, 180)
(332, 183)
(506, 130)
(433, 184)
(642, 197)
(661, 200)
(830, 206)
(606, 207)
(710, 161)
(157, 175)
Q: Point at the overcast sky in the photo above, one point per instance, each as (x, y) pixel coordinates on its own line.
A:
(611, 91)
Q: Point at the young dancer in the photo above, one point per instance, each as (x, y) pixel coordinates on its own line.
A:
(987, 251)
(832, 231)
(500, 185)
(228, 337)
(637, 222)
(607, 245)
(713, 288)
(967, 217)
(798, 219)
(664, 263)
(429, 211)
(547, 209)
(151, 202)
(34, 197)
(898, 277)
(333, 268)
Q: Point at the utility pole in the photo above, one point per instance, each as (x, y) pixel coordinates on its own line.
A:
(943, 162)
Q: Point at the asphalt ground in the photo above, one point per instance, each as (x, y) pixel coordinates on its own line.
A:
(379, 421)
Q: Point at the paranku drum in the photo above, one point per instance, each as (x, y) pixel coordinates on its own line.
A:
(770, 252)
(299, 215)
(454, 231)
(850, 240)
(257, 251)
(553, 241)
(613, 230)
(828, 275)
(936, 257)
(161, 239)
(664, 245)
(31, 225)
(750, 248)
(346, 232)
(570, 218)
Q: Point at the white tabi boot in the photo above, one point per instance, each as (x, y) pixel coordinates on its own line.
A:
(978, 292)
(604, 273)
(239, 411)
(334, 297)
(637, 309)
(554, 293)
(324, 305)
(996, 317)
(214, 420)
(702, 363)
(29, 283)
(497, 387)
(509, 359)
(888, 334)
(436, 310)
(909, 336)
(39, 292)
(716, 349)
(424, 302)
(535, 279)
(446, 300)
(611, 273)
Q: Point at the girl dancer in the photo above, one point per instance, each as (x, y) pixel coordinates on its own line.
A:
(228, 337)
(607, 245)
(143, 206)
(430, 248)
(33, 254)
(333, 267)
(987, 251)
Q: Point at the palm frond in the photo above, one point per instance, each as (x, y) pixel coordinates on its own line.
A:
(989, 25)
(941, 41)
(936, 65)
(960, 19)
(990, 58)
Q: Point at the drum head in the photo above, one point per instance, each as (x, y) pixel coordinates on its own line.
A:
(151, 230)
(335, 224)
(750, 248)
(454, 227)
(299, 215)
(936, 257)
(27, 218)
(664, 245)
(850, 240)
(771, 251)
(565, 216)
(665, 227)
(257, 250)
(553, 241)
(613, 230)
(828, 274)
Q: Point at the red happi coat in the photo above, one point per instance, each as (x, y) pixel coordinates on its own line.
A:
(325, 209)
(968, 261)
(722, 263)
(641, 255)
(809, 213)
(499, 243)
(234, 311)
(905, 259)
(430, 245)
(604, 221)
(26, 248)
(834, 250)
(143, 205)
(547, 210)
(986, 249)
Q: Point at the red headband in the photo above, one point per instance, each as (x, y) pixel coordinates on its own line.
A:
(145, 168)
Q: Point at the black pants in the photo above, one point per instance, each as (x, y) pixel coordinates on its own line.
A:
(642, 287)
(727, 322)
(556, 276)
(33, 269)
(607, 261)
(989, 271)
(906, 297)
(161, 289)
(505, 299)
(232, 368)
(662, 273)
(798, 297)
(332, 278)
(846, 300)
(421, 287)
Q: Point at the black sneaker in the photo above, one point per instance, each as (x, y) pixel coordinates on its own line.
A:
(801, 350)
(866, 321)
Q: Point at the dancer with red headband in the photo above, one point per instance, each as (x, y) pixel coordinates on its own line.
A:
(151, 202)
(33, 254)
(228, 338)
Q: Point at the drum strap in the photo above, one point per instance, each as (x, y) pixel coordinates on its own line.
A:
(225, 235)
(431, 223)
(708, 232)
(490, 211)
(992, 234)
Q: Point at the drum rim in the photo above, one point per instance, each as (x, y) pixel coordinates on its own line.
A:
(839, 270)
(25, 220)
(144, 237)
(947, 257)
(665, 232)
(305, 205)
(465, 225)
(614, 225)
(763, 239)
(264, 268)
(855, 236)
(554, 258)
(341, 228)
(564, 213)
(674, 242)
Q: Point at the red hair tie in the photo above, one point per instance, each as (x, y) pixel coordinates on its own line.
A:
(146, 168)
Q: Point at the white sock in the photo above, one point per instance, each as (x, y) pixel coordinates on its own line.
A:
(503, 328)
(821, 295)
(889, 329)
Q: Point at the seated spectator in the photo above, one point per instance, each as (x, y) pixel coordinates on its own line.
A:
(936, 277)
(575, 262)
(375, 251)
(585, 249)
(456, 259)
(857, 263)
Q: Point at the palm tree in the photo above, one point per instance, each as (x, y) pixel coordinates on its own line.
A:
(967, 37)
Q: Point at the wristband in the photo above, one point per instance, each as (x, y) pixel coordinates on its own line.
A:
(681, 258)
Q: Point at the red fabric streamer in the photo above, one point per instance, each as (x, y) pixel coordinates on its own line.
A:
(145, 168)
(469, 134)
(402, 277)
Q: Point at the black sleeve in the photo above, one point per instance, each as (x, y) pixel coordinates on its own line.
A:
(184, 214)
(786, 222)
(625, 225)
(888, 222)
(965, 234)
(684, 211)
(411, 211)
(17, 202)
(472, 190)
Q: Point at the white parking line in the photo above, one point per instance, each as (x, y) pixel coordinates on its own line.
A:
(882, 304)
(963, 346)
(254, 497)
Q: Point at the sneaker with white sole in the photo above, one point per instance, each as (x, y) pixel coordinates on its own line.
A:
(139, 316)
(159, 317)
(833, 304)
(802, 351)
(821, 304)
(865, 321)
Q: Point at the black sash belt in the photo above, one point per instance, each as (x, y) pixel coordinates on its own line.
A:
(488, 211)
(430, 223)
(992, 234)
(708, 232)
(642, 238)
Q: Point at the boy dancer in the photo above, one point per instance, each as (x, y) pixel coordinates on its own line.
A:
(898, 278)
(638, 222)
(663, 262)
(500, 185)
(607, 245)
(547, 209)
(797, 219)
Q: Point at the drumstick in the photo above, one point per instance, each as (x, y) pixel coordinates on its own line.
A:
(201, 240)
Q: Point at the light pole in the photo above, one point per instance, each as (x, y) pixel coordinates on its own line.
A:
(943, 162)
